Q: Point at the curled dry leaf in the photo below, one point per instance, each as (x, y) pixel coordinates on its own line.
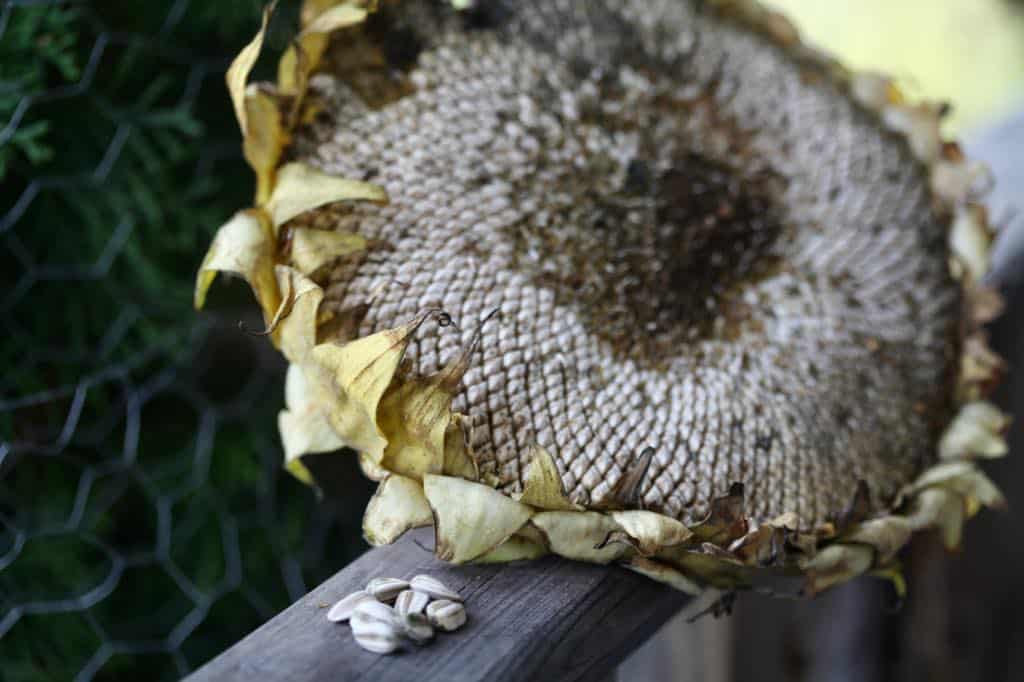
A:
(470, 518)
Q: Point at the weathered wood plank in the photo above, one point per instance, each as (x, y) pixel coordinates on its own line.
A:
(541, 620)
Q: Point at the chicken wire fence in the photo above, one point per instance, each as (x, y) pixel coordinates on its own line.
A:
(145, 521)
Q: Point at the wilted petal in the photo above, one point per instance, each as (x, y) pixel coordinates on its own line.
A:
(353, 380)
(265, 136)
(471, 519)
(303, 426)
(244, 246)
(887, 535)
(398, 505)
(296, 320)
(969, 240)
(836, 564)
(543, 484)
(977, 430)
(457, 458)
(965, 479)
(293, 71)
(939, 508)
(651, 532)
(581, 535)
(312, 249)
(300, 188)
(664, 573)
(516, 548)
(238, 73)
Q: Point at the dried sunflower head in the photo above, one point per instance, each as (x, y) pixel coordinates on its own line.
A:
(645, 282)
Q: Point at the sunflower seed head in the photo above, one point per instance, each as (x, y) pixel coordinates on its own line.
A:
(416, 627)
(411, 601)
(342, 610)
(386, 589)
(434, 589)
(377, 636)
(446, 615)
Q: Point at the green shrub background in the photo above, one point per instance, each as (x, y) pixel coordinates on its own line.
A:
(145, 522)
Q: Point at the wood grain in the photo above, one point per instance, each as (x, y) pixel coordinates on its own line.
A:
(542, 620)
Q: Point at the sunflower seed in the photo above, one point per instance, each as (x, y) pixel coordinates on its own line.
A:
(416, 627)
(342, 611)
(434, 589)
(377, 636)
(446, 615)
(411, 601)
(370, 610)
(386, 589)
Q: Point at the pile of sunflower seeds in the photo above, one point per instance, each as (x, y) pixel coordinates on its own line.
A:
(389, 613)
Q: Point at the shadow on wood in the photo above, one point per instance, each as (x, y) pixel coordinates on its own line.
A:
(541, 620)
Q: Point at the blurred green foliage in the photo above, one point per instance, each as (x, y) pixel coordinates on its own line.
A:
(145, 521)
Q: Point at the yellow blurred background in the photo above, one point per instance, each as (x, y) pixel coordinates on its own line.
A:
(967, 52)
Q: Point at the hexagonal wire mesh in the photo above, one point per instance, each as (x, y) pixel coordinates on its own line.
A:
(145, 522)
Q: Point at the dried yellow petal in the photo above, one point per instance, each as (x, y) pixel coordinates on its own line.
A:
(300, 188)
(312, 249)
(651, 531)
(581, 535)
(965, 479)
(836, 564)
(303, 426)
(265, 137)
(942, 509)
(293, 71)
(238, 72)
(970, 241)
(471, 519)
(355, 377)
(977, 430)
(397, 506)
(244, 246)
(516, 548)
(296, 320)
(887, 535)
(457, 458)
(543, 488)
(664, 573)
